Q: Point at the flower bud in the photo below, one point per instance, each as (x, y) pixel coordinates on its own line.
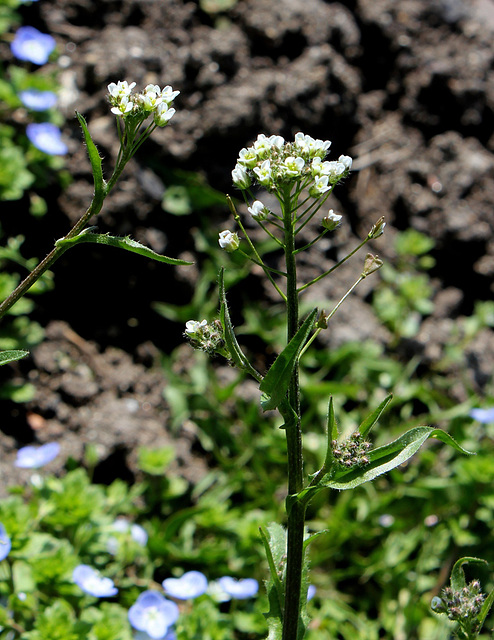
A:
(228, 241)
(240, 177)
(377, 228)
(331, 221)
(258, 211)
(347, 161)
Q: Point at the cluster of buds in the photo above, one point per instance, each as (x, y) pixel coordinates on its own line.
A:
(206, 336)
(272, 162)
(152, 101)
(462, 606)
(352, 452)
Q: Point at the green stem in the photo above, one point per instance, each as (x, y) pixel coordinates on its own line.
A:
(296, 517)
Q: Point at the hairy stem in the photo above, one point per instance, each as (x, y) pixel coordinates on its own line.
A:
(296, 517)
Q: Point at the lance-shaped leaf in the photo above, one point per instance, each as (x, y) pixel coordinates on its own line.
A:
(12, 355)
(486, 607)
(94, 159)
(124, 242)
(276, 381)
(274, 541)
(381, 460)
(371, 419)
(236, 353)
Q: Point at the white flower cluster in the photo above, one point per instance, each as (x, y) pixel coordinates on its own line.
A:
(152, 100)
(272, 162)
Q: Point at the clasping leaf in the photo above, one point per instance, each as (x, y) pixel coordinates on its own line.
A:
(277, 380)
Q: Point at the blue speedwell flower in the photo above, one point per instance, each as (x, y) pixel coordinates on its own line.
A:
(191, 585)
(38, 100)
(239, 589)
(153, 614)
(142, 635)
(123, 526)
(32, 45)
(5, 544)
(36, 457)
(91, 582)
(483, 415)
(47, 138)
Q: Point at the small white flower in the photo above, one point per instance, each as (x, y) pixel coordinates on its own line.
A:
(347, 161)
(228, 241)
(240, 177)
(121, 89)
(262, 145)
(193, 327)
(293, 166)
(331, 221)
(276, 141)
(336, 169)
(319, 148)
(163, 114)
(247, 157)
(168, 95)
(150, 99)
(319, 187)
(319, 168)
(264, 174)
(258, 211)
(123, 106)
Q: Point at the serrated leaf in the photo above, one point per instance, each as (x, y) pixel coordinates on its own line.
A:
(381, 460)
(94, 159)
(458, 575)
(276, 381)
(124, 242)
(371, 419)
(236, 353)
(12, 355)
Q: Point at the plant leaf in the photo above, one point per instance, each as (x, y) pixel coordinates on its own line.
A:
(458, 575)
(236, 353)
(486, 607)
(276, 381)
(124, 242)
(12, 355)
(94, 159)
(381, 460)
(274, 541)
(371, 419)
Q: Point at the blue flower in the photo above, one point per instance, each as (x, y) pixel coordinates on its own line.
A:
(191, 585)
(153, 614)
(311, 592)
(5, 544)
(47, 138)
(32, 45)
(90, 581)
(482, 415)
(239, 589)
(36, 457)
(38, 100)
(122, 525)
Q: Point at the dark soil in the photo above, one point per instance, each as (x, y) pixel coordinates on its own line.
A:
(406, 88)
